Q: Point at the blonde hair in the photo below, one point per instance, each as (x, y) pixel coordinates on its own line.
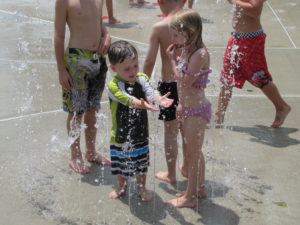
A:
(189, 21)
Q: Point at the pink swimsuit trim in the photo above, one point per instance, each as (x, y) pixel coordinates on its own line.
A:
(204, 111)
(202, 76)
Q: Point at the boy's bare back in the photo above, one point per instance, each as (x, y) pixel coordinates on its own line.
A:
(160, 38)
(246, 17)
(84, 21)
(160, 32)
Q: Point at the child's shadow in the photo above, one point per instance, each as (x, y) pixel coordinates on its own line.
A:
(208, 21)
(150, 212)
(144, 6)
(99, 175)
(275, 137)
(212, 214)
(123, 25)
(213, 189)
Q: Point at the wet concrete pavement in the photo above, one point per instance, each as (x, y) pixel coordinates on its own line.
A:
(252, 170)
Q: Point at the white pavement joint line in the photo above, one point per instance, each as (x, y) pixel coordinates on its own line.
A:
(267, 48)
(25, 16)
(49, 21)
(29, 115)
(7, 12)
(104, 102)
(254, 96)
(24, 60)
(142, 43)
(36, 114)
(287, 33)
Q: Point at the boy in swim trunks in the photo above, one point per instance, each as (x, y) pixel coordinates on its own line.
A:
(160, 38)
(130, 95)
(82, 72)
(244, 59)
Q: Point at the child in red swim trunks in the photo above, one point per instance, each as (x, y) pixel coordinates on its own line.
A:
(244, 59)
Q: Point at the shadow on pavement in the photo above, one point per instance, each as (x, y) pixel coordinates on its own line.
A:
(275, 137)
(125, 25)
(99, 175)
(154, 211)
(213, 189)
(213, 214)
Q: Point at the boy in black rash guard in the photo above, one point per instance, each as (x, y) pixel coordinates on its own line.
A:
(130, 95)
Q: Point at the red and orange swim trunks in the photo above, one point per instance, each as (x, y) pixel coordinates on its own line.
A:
(244, 59)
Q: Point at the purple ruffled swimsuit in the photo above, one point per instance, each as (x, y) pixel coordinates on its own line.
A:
(204, 111)
(202, 77)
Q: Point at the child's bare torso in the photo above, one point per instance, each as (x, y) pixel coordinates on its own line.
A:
(84, 21)
(247, 20)
(165, 40)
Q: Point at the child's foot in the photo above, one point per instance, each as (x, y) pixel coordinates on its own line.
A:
(280, 116)
(113, 20)
(201, 193)
(182, 202)
(138, 2)
(145, 195)
(142, 2)
(220, 118)
(183, 171)
(77, 165)
(119, 192)
(164, 176)
(97, 158)
(132, 2)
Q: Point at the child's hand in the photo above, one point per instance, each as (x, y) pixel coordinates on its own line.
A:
(164, 101)
(65, 80)
(146, 105)
(179, 113)
(104, 45)
(171, 51)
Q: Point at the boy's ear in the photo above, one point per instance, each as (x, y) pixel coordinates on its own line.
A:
(112, 67)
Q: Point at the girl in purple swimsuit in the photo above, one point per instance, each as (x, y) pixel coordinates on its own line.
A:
(194, 110)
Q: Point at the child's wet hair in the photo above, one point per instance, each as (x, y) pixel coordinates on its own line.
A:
(120, 51)
(189, 21)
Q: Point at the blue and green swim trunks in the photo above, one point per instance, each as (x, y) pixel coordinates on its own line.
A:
(88, 72)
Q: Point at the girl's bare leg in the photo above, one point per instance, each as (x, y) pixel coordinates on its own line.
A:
(201, 192)
(121, 189)
(184, 166)
(143, 192)
(171, 151)
(193, 134)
